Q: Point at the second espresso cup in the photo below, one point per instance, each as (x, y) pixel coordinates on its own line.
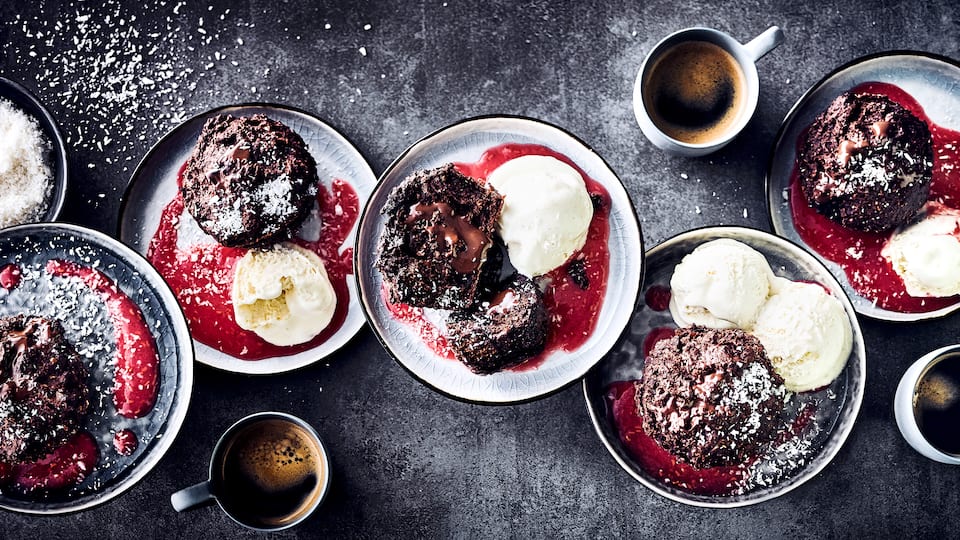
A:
(927, 405)
(698, 88)
(268, 472)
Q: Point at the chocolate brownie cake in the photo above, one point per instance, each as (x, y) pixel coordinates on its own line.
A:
(711, 397)
(44, 396)
(439, 224)
(250, 181)
(866, 163)
(503, 331)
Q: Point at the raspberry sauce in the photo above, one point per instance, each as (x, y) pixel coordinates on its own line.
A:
(658, 297)
(10, 276)
(125, 442)
(573, 298)
(201, 275)
(858, 253)
(62, 469)
(428, 332)
(665, 467)
(137, 362)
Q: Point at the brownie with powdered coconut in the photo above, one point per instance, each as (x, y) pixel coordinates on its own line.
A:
(866, 163)
(711, 397)
(501, 331)
(250, 181)
(44, 396)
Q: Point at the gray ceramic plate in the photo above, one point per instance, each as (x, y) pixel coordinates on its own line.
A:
(932, 80)
(465, 142)
(88, 326)
(154, 184)
(57, 157)
(837, 405)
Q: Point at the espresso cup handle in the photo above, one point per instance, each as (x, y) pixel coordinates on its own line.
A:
(191, 497)
(764, 43)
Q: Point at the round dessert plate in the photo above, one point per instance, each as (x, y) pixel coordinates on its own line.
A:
(466, 141)
(154, 184)
(931, 80)
(57, 157)
(836, 406)
(88, 326)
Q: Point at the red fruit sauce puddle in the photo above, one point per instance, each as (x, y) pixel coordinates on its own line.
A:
(63, 468)
(125, 442)
(202, 275)
(573, 311)
(135, 382)
(657, 297)
(858, 253)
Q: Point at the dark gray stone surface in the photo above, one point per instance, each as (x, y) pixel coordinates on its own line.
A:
(408, 461)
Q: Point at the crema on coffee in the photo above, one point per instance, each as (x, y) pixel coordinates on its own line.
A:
(695, 92)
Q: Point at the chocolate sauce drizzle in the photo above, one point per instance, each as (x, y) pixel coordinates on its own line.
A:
(451, 230)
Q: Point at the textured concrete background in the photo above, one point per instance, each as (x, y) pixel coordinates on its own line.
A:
(409, 462)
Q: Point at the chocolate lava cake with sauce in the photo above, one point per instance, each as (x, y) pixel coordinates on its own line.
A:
(44, 396)
(711, 397)
(250, 181)
(503, 331)
(439, 225)
(866, 163)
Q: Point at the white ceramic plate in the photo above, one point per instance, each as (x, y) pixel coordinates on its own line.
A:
(466, 141)
(154, 184)
(931, 80)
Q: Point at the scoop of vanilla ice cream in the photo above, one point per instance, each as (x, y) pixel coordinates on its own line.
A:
(806, 334)
(721, 284)
(546, 212)
(283, 294)
(926, 255)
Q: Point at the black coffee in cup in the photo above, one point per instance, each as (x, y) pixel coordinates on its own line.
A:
(936, 404)
(271, 473)
(695, 92)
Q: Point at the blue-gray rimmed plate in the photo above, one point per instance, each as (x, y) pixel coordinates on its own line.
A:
(786, 466)
(87, 325)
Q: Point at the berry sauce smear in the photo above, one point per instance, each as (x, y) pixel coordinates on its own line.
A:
(137, 362)
(60, 470)
(201, 275)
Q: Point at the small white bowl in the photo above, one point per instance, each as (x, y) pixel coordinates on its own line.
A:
(57, 157)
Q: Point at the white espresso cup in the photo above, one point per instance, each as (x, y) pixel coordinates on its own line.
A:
(741, 108)
(908, 396)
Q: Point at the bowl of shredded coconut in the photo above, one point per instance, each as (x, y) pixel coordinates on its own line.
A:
(33, 159)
